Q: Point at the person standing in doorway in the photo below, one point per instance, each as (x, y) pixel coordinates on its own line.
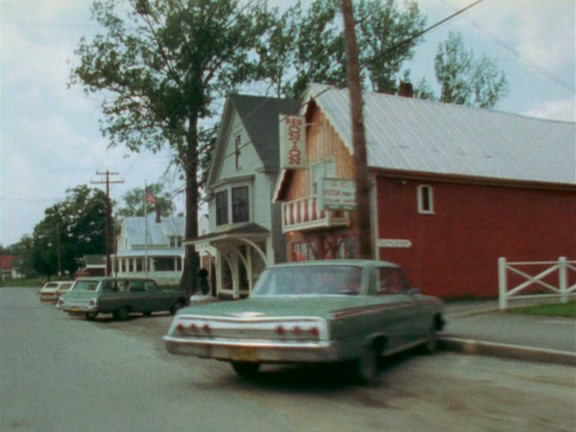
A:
(203, 280)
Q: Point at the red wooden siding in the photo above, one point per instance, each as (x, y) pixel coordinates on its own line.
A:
(454, 251)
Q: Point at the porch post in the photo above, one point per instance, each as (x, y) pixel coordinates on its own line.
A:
(218, 265)
(235, 276)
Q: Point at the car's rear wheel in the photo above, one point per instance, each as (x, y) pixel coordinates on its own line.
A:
(246, 369)
(176, 307)
(121, 314)
(365, 367)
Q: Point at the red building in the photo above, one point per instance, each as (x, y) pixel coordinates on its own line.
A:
(453, 189)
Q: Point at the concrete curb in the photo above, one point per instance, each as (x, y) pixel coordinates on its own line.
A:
(518, 352)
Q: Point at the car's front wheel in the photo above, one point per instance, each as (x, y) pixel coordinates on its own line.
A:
(246, 369)
(91, 316)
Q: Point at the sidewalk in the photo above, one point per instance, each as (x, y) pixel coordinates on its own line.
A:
(481, 328)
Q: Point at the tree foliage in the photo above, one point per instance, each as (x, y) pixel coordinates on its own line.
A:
(70, 229)
(160, 65)
(135, 202)
(24, 250)
(466, 80)
(307, 45)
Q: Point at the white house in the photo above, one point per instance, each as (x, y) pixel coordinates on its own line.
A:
(151, 247)
(245, 225)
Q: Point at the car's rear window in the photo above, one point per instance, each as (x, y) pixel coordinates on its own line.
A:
(309, 280)
(51, 285)
(86, 286)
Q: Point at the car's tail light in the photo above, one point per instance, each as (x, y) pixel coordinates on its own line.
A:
(314, 331)
(297, 330)
(206, 328)
(280, 330)
(180, 327)
(193, 327)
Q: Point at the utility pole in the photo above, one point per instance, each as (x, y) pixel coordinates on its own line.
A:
(108, 235)
(363, 215)
(58, 249)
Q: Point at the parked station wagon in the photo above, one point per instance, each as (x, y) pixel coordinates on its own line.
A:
(90, 296)
(350, 311)
(52, 290)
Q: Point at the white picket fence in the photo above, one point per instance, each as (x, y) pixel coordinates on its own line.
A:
(561, 289)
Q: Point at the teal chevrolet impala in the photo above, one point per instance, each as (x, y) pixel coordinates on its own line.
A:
(349, 311)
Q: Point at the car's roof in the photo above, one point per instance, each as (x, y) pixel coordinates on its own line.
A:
(338, 262)
(112, 278)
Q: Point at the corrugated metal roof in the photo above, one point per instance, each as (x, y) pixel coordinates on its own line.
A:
(156, 233)
(432, 137)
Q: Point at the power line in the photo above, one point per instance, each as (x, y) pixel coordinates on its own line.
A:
(388, 50)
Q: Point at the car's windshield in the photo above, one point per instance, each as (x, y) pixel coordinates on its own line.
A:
(309, 280)
(85, 285)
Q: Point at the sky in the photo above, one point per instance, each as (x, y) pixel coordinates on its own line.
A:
(50, 139)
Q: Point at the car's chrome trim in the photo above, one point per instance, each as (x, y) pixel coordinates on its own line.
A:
(262, 351)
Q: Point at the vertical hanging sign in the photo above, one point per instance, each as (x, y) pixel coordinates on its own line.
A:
(292, 142)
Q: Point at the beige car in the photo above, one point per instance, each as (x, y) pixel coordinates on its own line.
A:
(51, 291)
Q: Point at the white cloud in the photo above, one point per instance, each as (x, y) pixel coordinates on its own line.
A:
(564, 110)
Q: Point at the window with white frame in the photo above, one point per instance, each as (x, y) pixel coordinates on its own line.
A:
(175, 241)
(222, 207)
(320, 170)
(425, 199)
(233, 205)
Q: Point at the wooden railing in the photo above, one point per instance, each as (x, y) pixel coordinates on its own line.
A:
(562, 273)
(303, 214)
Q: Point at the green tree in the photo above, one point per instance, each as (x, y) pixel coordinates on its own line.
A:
(135, 201)
(70, 229)
(308, 45)
(466, 80)
(160, 65)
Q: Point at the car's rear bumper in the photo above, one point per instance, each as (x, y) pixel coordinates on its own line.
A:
(250, 351)
(78, 310)
(49, 297)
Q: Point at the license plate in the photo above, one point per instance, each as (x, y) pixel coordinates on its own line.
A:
(75, 309)
(244, 354)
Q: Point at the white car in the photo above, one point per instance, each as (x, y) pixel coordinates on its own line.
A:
(52, 290)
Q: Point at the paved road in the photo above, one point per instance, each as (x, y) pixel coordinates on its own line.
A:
(60, 374)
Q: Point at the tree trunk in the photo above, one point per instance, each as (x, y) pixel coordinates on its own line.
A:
(189, 281)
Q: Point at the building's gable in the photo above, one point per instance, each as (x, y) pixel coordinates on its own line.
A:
(248, 137)
(139, 232)
(414, 135)
(236, 155)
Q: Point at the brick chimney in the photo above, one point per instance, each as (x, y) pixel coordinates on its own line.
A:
(406, 90)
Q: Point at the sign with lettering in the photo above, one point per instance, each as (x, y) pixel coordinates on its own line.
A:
(394, 243)
(292, 142)
(336, 194)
